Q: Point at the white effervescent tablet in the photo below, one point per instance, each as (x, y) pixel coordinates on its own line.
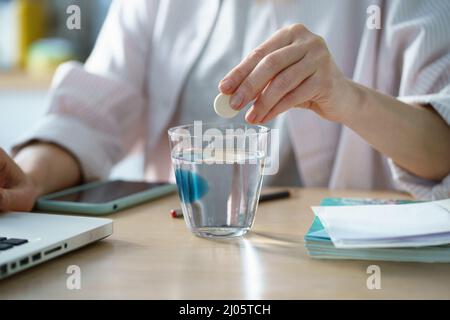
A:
(222, 106)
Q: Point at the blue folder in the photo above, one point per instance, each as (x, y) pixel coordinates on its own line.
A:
(320, 246)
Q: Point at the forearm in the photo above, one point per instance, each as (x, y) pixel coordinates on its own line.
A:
(415, 137)
(49, 167)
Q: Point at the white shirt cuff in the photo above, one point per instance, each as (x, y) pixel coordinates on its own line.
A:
(420, 188)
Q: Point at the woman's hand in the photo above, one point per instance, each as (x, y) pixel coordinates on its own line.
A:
(291, 69)
(17, 191)
(295, 69)
(37, 169)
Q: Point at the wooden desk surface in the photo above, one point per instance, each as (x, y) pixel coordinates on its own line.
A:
(153, 256)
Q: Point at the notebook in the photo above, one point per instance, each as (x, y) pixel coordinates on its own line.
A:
(387, 225)
(319, 245)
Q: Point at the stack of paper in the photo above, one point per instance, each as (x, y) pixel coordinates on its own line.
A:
(395, 230)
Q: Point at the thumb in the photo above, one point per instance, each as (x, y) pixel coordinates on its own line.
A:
(15, 200)
(4, 200)
(10, 173)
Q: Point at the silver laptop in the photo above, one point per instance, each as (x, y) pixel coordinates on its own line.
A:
(27, 239)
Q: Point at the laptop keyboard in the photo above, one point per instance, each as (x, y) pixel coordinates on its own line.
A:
(9, 243)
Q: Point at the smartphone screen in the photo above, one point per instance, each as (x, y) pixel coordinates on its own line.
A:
(108, 191)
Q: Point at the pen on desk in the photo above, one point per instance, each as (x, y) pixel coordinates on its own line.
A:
(178, 213)
(274, 196)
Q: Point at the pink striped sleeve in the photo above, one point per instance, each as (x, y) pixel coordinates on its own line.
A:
(97, 110)
(417, 45)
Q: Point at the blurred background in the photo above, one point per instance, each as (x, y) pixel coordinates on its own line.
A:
(33, 33)
(34, 40)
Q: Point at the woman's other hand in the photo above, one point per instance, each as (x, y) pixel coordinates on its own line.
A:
(17, 190)
(37, 169)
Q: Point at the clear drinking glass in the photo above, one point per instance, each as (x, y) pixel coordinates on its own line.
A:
(219, 170)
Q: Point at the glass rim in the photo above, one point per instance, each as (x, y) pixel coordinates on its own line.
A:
(262, 130)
